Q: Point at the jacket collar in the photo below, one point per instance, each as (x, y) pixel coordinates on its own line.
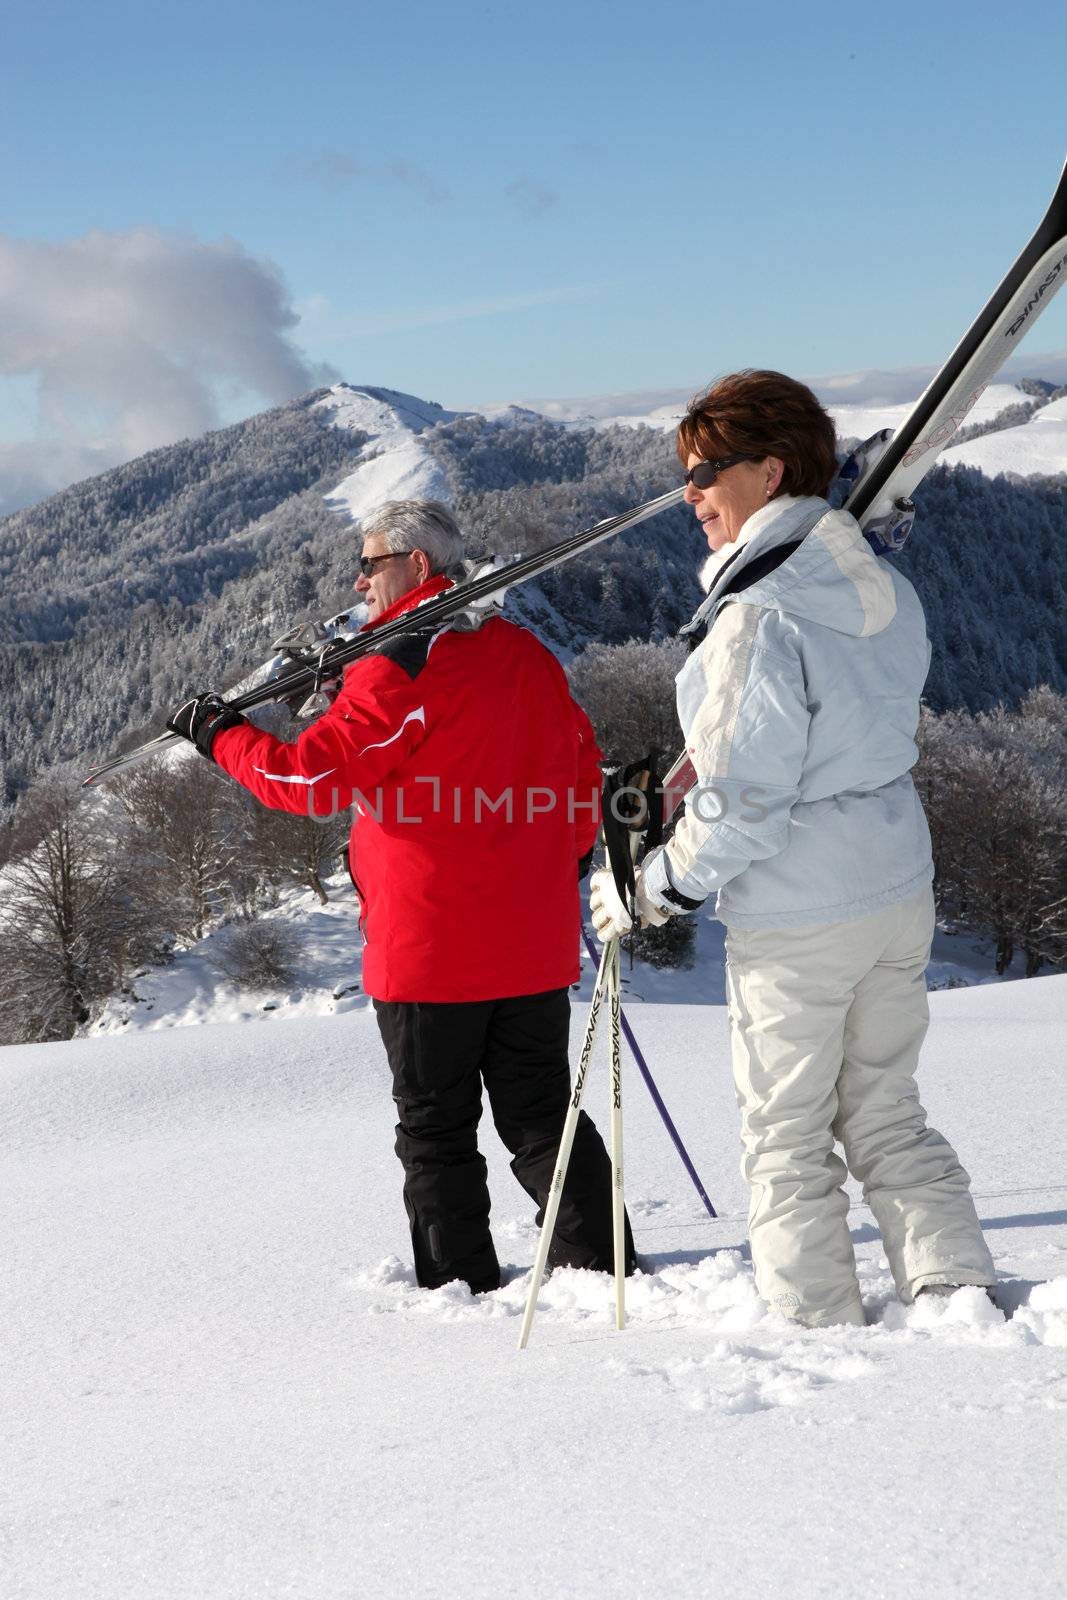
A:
(778, 523)
(783, 521)
(410, 601)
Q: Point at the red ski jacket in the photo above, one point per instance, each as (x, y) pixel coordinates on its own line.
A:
(476, 786)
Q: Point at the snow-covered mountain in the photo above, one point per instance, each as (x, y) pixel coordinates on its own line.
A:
(859, 421)
(220, 1379)
(393, 464)
(178, 569)
(1034, 447)
(396, 465)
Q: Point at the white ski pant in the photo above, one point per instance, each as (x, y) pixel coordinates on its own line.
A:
(826, 1026)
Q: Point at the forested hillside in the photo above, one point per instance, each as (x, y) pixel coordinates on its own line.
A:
(177, 570)
(124, 591)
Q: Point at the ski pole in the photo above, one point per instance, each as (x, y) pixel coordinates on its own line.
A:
(618, 1203)
(657, 1098)
(570, 1127)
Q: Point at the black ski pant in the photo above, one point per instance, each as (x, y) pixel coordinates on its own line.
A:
(440, 1055)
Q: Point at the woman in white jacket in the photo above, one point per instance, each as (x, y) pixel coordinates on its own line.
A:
(799, 705)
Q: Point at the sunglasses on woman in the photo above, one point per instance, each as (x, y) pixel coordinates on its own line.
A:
(703, 475)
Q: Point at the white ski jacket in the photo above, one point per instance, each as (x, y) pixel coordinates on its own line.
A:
(799, 711)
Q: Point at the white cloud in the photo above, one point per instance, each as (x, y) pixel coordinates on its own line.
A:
(132, 340)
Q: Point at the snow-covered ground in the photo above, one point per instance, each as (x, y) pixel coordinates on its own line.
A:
(853, 420)
(191, 987)
(221, 1381)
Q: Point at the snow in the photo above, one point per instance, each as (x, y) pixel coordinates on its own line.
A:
(1038, 447)
(599, 410)
(191, 989)
(380, 411)
(393, 464)
(221, 1380)
(860, 421)
(664, 418)
(664, 409)
(510, 416)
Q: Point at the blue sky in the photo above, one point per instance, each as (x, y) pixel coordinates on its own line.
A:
(484, 202)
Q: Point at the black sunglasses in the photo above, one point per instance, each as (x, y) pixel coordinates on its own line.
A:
(703, 475)
(368, 564)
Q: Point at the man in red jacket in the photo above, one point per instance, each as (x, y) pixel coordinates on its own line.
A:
(474, 781)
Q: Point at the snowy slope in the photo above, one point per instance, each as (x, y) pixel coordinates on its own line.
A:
(191, 988)
(665, 409)
(220, 1381)
(393, 464)
(1039, 446)
(860, 421)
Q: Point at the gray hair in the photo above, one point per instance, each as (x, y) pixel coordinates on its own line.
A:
(418, 525)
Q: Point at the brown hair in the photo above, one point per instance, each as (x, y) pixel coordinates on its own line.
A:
(763, 414)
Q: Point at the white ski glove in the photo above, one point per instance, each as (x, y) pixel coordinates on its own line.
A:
(610, 917)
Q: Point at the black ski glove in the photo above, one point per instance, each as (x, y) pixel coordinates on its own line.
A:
(201, 718)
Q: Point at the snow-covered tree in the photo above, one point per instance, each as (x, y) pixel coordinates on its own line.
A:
(627, 691)
(73, 918)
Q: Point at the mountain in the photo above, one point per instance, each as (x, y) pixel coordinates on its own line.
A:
(176, 571)
(1003, 414)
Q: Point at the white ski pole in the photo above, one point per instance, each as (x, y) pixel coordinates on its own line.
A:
(555, 1193)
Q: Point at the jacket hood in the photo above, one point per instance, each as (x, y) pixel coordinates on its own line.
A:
(833, 579)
